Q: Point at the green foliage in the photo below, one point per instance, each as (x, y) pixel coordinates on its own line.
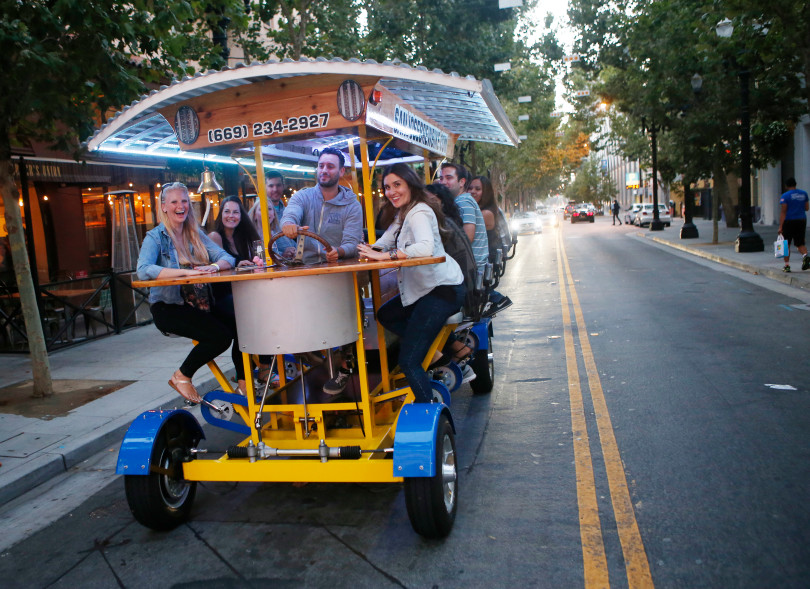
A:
(641, 56)
(65, 63)
(309, 28)
(465, 36)
(590, 184)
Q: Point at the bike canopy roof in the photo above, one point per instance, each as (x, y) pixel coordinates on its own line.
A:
(293, 109)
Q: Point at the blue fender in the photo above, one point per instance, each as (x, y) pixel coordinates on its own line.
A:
(482, 330)
(233, 399)
(415, 439)
(135, 454)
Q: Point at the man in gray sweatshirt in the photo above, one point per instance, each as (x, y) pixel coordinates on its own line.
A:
(328, 209)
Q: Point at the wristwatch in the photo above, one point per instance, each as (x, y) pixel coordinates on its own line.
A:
(393, 254)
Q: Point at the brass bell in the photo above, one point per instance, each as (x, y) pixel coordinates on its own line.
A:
(209, 182)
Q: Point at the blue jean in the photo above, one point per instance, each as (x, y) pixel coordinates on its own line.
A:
(417, 325)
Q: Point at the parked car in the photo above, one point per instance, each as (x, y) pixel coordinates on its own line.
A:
(582, 215)
(645, 215)
(528, 222)
(630, 217)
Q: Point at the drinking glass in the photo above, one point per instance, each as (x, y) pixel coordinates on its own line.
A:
(257, 249)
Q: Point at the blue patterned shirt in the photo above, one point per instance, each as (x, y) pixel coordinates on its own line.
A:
(471, 214)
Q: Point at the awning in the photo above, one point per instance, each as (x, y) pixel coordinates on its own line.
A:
(464, 107)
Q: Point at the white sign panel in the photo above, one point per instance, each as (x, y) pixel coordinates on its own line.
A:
(523, 117)
(413, 129)
(510, 3)
(503, 67)
(571, 58)
(524, 98)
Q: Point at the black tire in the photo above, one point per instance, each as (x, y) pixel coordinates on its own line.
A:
(483, 365)
(591, 219)
(163, 500)
(432, 501)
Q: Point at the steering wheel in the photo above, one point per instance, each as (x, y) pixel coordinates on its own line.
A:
(280, 260)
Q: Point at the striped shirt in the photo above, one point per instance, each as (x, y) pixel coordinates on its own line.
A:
(471, 214)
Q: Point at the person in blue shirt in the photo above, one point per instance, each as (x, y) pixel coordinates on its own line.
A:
(456, 178)
(793, 221)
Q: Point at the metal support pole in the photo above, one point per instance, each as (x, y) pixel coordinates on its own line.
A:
(748, 240)
(689, 229)
(655, 224)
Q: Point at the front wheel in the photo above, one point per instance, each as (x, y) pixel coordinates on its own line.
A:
(432, 501)
(483, 364)
(162, 500)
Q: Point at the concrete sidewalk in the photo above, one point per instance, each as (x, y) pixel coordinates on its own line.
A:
(762, 263)
(32, 450)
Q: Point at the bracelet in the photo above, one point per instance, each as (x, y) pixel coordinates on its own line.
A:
(215, 265)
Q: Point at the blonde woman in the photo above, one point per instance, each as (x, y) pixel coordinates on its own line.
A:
(177, 247)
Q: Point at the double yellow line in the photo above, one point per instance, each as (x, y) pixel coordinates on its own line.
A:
(593, 547)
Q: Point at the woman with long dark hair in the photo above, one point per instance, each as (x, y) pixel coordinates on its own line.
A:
(481, 190)
(178, 247)
(428, 294)
(233, 230)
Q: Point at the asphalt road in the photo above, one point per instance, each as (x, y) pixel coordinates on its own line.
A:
(631, 439)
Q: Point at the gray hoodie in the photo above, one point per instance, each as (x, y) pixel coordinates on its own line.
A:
(339, 221)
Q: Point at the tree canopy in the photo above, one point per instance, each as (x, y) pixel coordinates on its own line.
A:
(641, 57)
(65, 63)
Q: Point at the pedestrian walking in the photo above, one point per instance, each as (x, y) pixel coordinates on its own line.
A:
(615, 208)
(793, 221)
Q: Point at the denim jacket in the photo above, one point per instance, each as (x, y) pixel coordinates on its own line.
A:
(158, 252)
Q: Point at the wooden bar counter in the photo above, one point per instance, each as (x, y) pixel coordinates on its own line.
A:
(314, 307)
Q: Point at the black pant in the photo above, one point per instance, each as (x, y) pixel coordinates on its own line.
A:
(213, 332)
(616, 218)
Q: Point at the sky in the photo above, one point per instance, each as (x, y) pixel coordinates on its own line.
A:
(565, 35)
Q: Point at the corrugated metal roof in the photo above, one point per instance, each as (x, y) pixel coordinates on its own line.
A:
(463, 105)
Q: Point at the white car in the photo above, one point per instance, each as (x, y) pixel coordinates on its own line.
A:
(526, 222)
(645, 215)
(630, 217)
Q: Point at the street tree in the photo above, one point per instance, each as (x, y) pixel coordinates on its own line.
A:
(308, 28)
(467, 36)
(663, 45)
(65, 65)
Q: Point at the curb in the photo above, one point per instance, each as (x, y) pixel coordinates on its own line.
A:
(751, 269)
(47, 465)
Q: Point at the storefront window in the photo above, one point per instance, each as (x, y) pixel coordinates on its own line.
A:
(97, 228)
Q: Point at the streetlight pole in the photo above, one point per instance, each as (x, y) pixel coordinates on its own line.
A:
(655, 224)
(748, 240)
(689, 230)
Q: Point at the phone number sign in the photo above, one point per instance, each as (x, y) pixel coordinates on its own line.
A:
(259, 111)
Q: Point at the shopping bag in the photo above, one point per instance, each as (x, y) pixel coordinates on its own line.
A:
(780, 247)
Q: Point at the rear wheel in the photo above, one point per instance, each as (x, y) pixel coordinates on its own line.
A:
(162, 499)
(432, 501)
(483, 364)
